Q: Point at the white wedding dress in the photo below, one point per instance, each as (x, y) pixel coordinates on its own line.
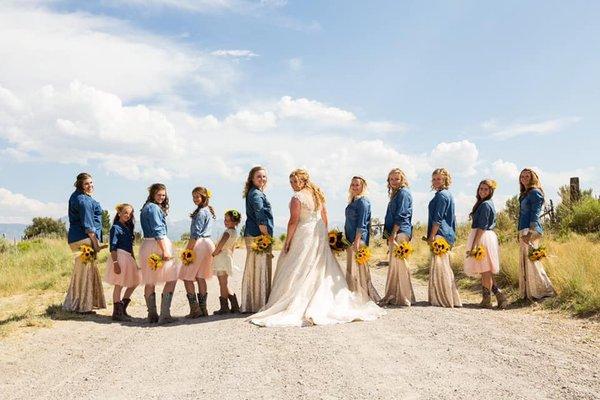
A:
(309, 287)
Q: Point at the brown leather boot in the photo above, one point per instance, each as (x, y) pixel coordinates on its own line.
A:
(235, 307)
(118, 313)
(194, 307)
(125, 304)
(486, 301)
(224, 306)
(202, 303)
(151, 305)
(502, 300)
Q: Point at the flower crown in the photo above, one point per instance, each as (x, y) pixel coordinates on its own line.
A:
(234, 213)
(208, 193)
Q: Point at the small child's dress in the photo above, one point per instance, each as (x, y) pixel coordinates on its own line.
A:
(223, 262)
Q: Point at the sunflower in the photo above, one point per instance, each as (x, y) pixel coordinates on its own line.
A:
(261, 244)
(402, 250)
(537, 254)
(155, 262)
(478, 253)
(363, 255)
(439, 246)
(187, 257)
(87, 254)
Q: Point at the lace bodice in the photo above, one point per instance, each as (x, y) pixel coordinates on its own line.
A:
(308, 211)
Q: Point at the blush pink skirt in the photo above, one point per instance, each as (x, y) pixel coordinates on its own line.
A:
(130, 275)
(202, 266)
(491, 262)
(169, 270)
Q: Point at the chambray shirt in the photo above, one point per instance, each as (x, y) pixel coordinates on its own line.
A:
(358, 219)
(258, 212)
(530, 211)
(85, 215)
(121, 237)
(399, 212)
(154, 221)
(201, 225)
(485, 216)
(441, 212)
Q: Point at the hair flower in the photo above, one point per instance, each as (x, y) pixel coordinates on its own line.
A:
(493, 184)
(208, 193)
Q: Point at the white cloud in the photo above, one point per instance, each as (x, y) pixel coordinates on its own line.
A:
(314, 111)
(40, 47)
(234, 53)
(460, 158)
(505, 169)
(534, 128)
(16, 208)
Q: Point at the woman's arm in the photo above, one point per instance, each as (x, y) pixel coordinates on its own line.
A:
(221, 243)
(116, 266)
(163, 248)
(324, 216)
(292, 223)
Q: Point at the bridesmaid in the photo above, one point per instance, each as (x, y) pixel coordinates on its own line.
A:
(358, 230)
(154, 226)
(533, 281)
(442, 223)
(398, 228)
(256, 282)
(483, 218)
(85, 227)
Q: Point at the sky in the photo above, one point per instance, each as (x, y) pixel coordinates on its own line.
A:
(192, 93)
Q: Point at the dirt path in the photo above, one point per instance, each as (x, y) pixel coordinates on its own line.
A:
(412, 353)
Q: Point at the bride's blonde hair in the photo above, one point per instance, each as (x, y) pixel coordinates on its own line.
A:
(303, 176)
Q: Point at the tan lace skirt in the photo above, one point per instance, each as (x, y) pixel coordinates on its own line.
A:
(533, 281)
(85, 290)
(358, 278)
(256, 282)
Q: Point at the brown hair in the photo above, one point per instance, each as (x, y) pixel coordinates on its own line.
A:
(317, 193)
(249, 185)
(403, 182)
(202, 191)
(81, 177)
(120, 207)
(234, 215)
(535, 183)
(447, 178)
(492, 185)
(152, 190)
(364, 191)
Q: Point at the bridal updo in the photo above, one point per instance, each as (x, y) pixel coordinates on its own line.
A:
(303, 176)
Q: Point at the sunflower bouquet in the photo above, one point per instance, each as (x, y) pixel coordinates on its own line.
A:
(363, 255)
(402, 250)
(337, 241)
(262, 244)
(86, 253)
(155, 262)
(187, 257)
(536, 254)
(439, 246)
(478, 253)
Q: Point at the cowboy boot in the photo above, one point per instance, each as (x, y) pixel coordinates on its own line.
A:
(165, 309)
(500, 297)
(235, 307)
(224, 307)
(194, 307)
(125, 304)
(151, 305)
(202, 303)
(118, 314)
(486, 301)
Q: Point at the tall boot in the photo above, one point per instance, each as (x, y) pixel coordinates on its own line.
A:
(500, 297)
(165, 309)
(194, 307)
(486, 301)
(125, 304)
(235, 307)
(202, 303)
(118, 314)
(151, 305)
(224, 306)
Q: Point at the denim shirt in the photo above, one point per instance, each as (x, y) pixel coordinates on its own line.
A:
(154, 221)
(530, 211)
(399, 212)
(201, 225)
(121, 237)
(358, 219)
(258, 212)
(85, 215)
(441, 212)
(485, 216)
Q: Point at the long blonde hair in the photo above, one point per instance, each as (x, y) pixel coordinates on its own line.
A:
(249, 185)
(363, 192)
(447, 178)
(534, 183)
(403, 182)
(303, 176)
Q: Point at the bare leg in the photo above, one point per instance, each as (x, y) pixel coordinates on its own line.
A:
(189, 287)
(169, 287)
(148, 290)
(487, 280)
(117, 293)
(223, 285)
(201, 285)
(128, 292)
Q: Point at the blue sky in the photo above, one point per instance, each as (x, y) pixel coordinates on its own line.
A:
(196, 92)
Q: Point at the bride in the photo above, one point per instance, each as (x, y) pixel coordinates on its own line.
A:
(309, 287)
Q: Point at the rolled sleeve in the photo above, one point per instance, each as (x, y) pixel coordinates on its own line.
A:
(114, 237)
(439, 210)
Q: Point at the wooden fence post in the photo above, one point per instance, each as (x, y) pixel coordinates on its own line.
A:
(574, 189)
